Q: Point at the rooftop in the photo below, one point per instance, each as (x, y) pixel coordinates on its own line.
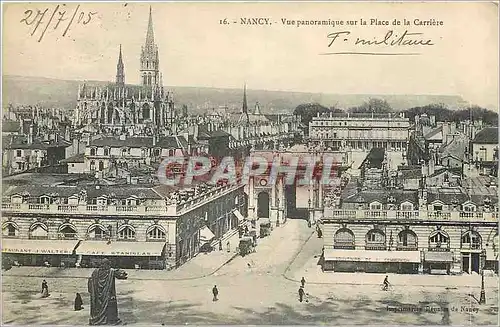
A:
(488, 135)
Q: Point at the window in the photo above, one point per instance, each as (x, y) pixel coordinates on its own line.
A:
(38, 231)
(157, 152)
(471, 239)
(344, 239)
(438, 207)
(439, 239)
(97, 232)
(9, 229)
(126, 233)
(375, 206)
(67, 232)
(106, 151)
(407, 240)
(469, 208)
(19, 153)
(92, 151)
(407, 207)
(156, 233)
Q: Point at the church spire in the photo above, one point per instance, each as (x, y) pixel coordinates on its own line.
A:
(245, 105)
(150, 61)
(150, 39)
(120, 74)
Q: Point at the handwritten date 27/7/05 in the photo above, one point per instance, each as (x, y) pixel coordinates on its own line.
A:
(57, 17)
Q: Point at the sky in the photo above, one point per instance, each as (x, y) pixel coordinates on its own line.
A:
(197, 50)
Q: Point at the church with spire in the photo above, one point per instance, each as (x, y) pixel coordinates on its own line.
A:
(115, 108)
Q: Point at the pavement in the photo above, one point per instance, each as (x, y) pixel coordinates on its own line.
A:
(254, 294)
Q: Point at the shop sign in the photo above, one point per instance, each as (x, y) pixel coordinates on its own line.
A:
(37, 251)
(120, 253)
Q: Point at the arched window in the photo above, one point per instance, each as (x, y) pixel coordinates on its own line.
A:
(375, 240)
(92, 165)
(156, 233)
(92, 151)
(10, 229)
(38, 231)
(126, 232)
(97, 231)
(106, 151)
(67, 231)
(407, 240)
(471, 240)
(439, 240)
(344, 239)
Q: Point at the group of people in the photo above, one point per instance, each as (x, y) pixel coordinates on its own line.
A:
(78, 298)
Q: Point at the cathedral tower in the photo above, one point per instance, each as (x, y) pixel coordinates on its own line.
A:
(120, 74)
(150, 61)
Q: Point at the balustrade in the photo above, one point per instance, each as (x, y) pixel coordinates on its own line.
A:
(411, 215)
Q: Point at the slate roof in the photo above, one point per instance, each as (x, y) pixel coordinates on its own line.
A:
(488, 135)
(142, 142)
(21, 142)
(433, 133)
(382, 197)
(79, 158)
(10, 126)
(410, 173)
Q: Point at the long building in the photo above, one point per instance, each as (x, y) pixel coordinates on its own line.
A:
(362, 132)
(62, 219)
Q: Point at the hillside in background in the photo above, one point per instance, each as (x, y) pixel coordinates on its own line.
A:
(62, 94)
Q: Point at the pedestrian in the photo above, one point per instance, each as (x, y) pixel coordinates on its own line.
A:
(215, 292)
(301, 293)
(228, 245)
(44, 285)
(220, 245)
(78, 302)
(303, 281)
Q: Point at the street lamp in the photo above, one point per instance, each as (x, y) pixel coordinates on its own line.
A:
(482, 297)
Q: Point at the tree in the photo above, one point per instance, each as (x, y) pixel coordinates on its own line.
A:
(373, 105)
(309, 110)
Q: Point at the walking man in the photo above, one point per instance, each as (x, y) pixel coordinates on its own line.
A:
(45, 285)
(303, 282)
(215, 292)
(301, 293)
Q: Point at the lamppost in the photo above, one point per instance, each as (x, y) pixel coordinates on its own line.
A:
(482, 297)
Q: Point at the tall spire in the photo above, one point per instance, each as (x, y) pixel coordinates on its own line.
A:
(245, 105)
(150, 39)
(120, 73)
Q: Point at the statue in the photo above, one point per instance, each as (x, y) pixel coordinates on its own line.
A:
(103, 304)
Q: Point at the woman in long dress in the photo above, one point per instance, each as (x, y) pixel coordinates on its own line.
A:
(78, 302)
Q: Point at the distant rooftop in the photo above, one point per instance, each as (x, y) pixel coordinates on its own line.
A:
(488, 135)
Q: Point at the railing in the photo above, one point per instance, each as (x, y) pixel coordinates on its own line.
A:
(423, 215)
(93, 209)
(375, 246)
(409, 247)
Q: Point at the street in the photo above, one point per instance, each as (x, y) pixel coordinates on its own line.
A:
(260, 288)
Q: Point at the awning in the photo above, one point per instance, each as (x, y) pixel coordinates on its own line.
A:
(39, 246)
(372, 256)
(206, 235)
(435, 256)
(126, 249)
(238, 215)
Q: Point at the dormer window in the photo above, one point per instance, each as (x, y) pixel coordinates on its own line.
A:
(375, 206)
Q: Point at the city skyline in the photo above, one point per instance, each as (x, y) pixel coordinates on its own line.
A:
(261, 56)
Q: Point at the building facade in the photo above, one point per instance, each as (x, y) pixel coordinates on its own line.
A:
(132, 225)
(360, 131)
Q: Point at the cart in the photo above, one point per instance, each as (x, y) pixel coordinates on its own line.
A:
(265, 227)
(246, 246)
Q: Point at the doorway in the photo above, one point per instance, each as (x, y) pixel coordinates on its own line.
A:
(263, 205)
(291, 201)
(475, 262)
(465, 263)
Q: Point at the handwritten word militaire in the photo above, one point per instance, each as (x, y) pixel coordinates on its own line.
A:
(391, 38)
(56, 17)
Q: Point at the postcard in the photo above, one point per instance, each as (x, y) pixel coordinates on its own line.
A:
(250, 163)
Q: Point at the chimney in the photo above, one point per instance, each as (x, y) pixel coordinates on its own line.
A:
(30, 135)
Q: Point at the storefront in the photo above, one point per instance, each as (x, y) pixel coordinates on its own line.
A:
(40, 252)
(406, 262)
(437, 262)
(128, 255)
